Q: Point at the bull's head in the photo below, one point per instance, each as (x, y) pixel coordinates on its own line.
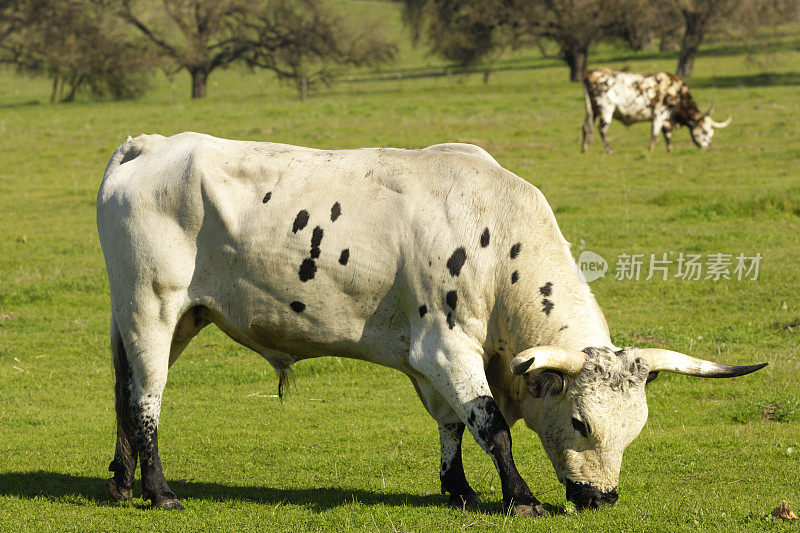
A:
(587, 406)
(702, 130)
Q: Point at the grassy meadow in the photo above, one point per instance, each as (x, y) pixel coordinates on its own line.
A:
(351, 447)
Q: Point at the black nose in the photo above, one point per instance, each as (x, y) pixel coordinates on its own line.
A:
(585, 496)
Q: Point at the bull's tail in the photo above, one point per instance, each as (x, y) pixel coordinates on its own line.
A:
(124, 464)
(588, 123)
(124, 152)
(131, 149)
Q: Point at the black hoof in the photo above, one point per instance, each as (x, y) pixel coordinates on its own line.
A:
(532, 511)
(461, 501)
(168, 505)
(117, 493)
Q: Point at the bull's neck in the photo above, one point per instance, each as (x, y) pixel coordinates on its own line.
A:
(544, 302)
(540, 298)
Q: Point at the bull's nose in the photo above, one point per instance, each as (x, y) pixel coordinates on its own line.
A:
(586, 496)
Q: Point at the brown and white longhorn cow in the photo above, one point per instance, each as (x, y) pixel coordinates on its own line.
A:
(660, 98)
(437, 262)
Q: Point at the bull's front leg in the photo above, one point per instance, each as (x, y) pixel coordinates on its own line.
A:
(659, 122)
(458, 374)
(451, 473)
(487, 425)
(667, 137)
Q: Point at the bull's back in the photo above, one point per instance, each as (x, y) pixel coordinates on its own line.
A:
(299, 250)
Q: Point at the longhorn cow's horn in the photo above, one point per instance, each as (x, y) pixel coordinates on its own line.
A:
(669, 361)
(566, 360)
(722, 124)
(710, 109)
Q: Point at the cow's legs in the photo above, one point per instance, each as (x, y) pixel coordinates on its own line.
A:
(148, 343)
(603, 123)
(658, 124)
(451, 431)
(588, 131)
(124, 464)
(149, 370)
(457, 372)
(667, 137)
(451, 474)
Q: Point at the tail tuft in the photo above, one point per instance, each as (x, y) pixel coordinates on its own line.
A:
(285, 378)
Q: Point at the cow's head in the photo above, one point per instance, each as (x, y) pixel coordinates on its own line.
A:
(702, 129)
(587, 406)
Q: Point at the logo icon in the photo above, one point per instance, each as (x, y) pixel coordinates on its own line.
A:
(591, 266)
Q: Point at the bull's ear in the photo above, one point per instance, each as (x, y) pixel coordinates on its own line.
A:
(544, 384)
(651, 376)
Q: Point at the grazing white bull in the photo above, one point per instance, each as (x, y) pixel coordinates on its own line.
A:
(436, 262)
(661, 98)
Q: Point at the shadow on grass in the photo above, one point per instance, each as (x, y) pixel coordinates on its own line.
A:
(27, 103)
(764, 79)
(57, 486)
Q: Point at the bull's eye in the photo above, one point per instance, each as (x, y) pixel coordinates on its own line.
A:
(580, 427)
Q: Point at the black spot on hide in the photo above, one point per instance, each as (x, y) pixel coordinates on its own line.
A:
(336, 210)
(316, 240)
(267, 197)
(514, 277)
(547, 306)
(546, 289)
(308, 268)
(452, 299)
(451, 323)
(515, 250)
(487, 419)
(300, 221)
(423, 310)
(562, 328)
(485, 238)
(297, 307)
(344, 257)
(456, 261)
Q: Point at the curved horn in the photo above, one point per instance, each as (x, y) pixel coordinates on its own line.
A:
(722, 124)
(670, 361)
(559, 358)
(710, 109)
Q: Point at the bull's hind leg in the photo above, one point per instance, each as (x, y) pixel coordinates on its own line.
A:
(588, 131)
(605, 118)
(124, 464)
(148, 344)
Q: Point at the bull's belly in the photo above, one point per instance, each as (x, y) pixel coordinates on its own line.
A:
(272, 307)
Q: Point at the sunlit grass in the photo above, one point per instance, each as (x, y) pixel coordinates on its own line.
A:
(352, 447)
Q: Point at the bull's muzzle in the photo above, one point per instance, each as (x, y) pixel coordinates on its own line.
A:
(585, 496)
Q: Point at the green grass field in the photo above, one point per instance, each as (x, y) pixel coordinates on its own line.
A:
(352, 448)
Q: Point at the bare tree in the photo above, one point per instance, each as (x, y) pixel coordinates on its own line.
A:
(203, 35)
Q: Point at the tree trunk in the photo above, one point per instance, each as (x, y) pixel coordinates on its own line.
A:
(303, 88)
(54, 91)
(695, 31)
(199, 79)
(576, 59)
